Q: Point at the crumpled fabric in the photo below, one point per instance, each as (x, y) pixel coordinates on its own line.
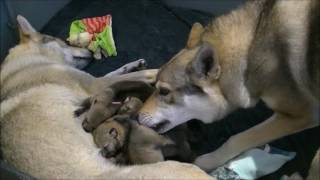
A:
(253, 164)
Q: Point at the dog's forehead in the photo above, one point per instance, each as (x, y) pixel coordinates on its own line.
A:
(172, 77)
(173, 73)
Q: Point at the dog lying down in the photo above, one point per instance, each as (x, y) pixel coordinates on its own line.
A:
(120, 138)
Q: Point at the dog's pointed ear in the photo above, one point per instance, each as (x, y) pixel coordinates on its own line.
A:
(25, 28)
(204, 64)
(195, 34)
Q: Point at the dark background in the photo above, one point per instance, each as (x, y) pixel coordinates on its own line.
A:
(155, 31)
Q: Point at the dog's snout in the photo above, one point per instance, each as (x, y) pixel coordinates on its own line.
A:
(157, 125)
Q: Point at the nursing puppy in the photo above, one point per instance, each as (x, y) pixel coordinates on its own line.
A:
(128, 142)
(40, 90)
(106, 103)
(266, 49)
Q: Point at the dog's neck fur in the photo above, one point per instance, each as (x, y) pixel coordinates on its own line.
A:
(231, 37)
(26, 54)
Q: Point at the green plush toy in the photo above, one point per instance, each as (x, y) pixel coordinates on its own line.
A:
(95, 34)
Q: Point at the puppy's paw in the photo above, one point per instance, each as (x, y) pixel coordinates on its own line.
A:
(84, 107)
(79, 112)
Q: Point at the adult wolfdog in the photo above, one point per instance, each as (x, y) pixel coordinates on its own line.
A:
(40, 90)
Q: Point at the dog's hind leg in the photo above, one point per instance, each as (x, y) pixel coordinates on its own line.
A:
(130, 67)
(277, 126)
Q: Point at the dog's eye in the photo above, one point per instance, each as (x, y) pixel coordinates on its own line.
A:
(193, 89)
(164, 91)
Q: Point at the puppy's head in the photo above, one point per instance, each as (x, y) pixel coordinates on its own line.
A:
(187, 87)
(50, 46)
(110, 137)
(101, 107)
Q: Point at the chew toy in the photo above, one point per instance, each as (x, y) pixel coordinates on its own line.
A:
(95, 34)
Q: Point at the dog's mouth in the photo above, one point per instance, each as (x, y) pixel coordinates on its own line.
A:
(161, 127)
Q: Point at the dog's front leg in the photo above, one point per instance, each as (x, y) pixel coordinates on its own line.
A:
(147, 76)
(276, 126)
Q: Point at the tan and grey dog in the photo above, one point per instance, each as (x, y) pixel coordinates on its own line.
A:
(266, 49)
(40, 90)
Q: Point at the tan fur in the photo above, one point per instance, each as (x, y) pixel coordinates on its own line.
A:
(314, 172)
(39, 133)
(194, 36)
(261, 51)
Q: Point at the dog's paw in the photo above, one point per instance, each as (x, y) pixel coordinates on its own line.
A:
(134, 66)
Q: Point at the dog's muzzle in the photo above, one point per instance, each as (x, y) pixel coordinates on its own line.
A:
(147, 120)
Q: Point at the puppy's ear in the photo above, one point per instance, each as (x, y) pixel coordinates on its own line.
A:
(204, 65)
(195, 35)
(25, 29)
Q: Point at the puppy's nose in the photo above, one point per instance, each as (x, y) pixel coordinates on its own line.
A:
(103, 152)
(106, 147)
(86, 127)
